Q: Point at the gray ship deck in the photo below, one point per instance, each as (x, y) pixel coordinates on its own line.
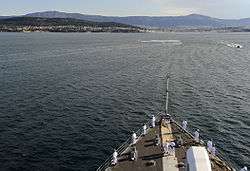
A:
(146, 151)
(151, 157)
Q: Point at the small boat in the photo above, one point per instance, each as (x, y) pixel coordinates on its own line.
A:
(165, 145)
(234, 45)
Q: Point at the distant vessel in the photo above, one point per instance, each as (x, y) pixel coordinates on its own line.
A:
(165, 145)
(234, 45)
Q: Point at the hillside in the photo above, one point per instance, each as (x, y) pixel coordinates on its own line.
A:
(61, 24)
(36, 21)
(193, 20)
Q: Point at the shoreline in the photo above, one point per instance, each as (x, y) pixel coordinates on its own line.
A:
(198, 32)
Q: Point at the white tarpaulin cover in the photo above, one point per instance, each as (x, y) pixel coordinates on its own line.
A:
(198, 159)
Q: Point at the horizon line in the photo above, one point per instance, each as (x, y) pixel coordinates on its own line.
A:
(17, 15)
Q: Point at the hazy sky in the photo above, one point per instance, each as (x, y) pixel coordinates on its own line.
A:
(214, 8)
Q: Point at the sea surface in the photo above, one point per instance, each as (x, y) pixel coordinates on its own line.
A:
(68, 99)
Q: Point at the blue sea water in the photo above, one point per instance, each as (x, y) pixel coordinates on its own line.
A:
(68, 99)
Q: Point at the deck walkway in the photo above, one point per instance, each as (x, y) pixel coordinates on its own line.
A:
(147, 153)
(150, 157)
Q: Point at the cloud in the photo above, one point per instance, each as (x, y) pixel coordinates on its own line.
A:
(215, 8)
(171, 11)
(178, 7)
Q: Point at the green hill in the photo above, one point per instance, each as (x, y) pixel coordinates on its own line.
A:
(62, 25)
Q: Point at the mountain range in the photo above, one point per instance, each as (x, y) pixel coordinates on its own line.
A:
(193, 20)
(42, 21)
(31, 24)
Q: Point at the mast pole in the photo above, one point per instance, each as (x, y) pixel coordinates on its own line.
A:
(167, 94)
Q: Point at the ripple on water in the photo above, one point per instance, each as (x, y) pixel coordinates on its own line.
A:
(67, 100)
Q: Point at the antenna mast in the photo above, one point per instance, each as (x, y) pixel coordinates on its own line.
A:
(167, 93)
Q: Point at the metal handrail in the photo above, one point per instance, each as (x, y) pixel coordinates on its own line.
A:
(202, 141)
(124, 146)
(127, 144)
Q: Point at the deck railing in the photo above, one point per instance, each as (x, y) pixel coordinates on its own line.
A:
(190, 131)
(125, 145)
(139, 132)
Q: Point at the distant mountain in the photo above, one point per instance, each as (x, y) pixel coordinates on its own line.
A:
(4, 17)
(38, 21)
(19, 24)
(193, 20)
